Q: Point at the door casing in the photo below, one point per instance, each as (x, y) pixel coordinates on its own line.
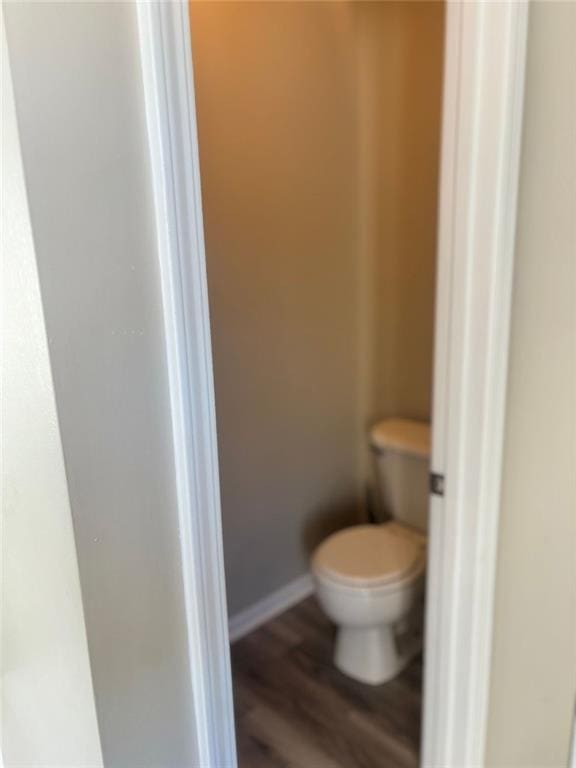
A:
(484, 69)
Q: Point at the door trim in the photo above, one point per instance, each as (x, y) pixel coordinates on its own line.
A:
(166, 58)
(482, 128)
(482, 120)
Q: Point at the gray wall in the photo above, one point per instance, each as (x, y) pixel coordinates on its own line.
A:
(80, 109)
(534, 663)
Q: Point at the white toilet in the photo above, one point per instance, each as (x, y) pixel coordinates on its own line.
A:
(370, 578)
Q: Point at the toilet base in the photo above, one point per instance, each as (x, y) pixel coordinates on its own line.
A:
(374, 655)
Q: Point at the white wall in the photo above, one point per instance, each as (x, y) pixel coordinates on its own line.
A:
(80, 108)
(534, 664)
(48, 715)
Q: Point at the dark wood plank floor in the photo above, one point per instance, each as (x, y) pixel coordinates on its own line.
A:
(294, 709)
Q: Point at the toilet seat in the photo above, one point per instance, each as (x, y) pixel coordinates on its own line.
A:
(370, 556)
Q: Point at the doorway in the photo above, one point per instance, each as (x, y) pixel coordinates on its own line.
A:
(319, 140)
(480, 112)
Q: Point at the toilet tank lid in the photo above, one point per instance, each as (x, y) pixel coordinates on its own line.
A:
(402, 436)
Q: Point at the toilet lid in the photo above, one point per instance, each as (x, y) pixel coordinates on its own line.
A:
(369, 555)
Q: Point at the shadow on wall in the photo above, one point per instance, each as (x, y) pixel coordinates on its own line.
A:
(328, 519)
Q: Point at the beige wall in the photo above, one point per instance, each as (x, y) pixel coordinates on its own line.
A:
(275, 91)
(318, 128)
(534, 663)
(400, 57)
(80, 106)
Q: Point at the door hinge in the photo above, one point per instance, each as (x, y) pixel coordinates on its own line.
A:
(437, 483)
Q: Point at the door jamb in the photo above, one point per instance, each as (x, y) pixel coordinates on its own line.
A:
(483, 98)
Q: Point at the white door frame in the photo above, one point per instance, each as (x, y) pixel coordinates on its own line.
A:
(483, 95)
(482, 126)
(166, 57)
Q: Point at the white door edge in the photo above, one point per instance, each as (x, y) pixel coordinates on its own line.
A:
(482, 127)
(572, 749)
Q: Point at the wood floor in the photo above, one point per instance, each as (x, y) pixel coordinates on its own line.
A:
(295, 710)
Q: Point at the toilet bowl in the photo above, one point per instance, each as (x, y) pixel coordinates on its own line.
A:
(369, 579)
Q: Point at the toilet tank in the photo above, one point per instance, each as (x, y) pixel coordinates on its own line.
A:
(401, 450)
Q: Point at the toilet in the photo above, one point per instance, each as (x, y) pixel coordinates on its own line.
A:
(369, 579)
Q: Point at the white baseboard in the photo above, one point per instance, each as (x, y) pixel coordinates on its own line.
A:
(270, 606)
